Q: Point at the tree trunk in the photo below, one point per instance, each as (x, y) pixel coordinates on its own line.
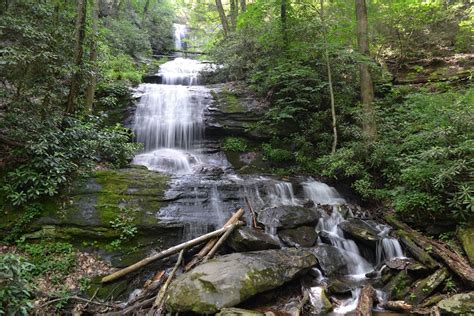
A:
(147, 6)
(283, 17)
(222, 16)
(331, 89)
(78, 55)
(369, 126)
(243, 5)
(90, 90)
(366, 301)
(233, 14)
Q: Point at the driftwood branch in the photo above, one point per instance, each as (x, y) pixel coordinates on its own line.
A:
(221, 241)
(254, 217)
(210, 244)
(366, 301)
(164, 254)
(160, 298)
(398, 306)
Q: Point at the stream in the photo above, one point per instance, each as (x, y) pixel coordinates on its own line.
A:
(170, 121)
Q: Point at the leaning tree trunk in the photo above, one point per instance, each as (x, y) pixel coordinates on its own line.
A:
(366, 86)
(222, 16)
(328, 67)
(90, 90)
(283, 17)
(234, 11)
(78, 55)
(243, 5)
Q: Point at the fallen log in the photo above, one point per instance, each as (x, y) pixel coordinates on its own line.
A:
(160, 298)
(451, 259)
(163, 254)
(221, 240)
(398, 306)
(366, 301)
(205, 250)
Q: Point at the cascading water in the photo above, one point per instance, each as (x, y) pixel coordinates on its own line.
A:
(169, 121)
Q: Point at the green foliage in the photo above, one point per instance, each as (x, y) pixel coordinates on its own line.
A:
(69, 147)
(31, 212)
(54, 259)
(16, 291)
(125, 224)
(235, 144)
(277, 155)
(422, 160)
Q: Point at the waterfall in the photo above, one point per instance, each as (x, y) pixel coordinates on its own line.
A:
(321, 193)
(169, 121)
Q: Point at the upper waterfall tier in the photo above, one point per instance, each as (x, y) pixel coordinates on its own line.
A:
(181, 71)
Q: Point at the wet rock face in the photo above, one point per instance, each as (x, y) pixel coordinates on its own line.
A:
(231, 279)
(458, 304)
(304, 236)
(249, 239)
(361, 231)
(288, 216)
(330, 260)
(233, 111)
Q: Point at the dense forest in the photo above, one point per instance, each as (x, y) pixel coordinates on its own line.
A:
(131, 126)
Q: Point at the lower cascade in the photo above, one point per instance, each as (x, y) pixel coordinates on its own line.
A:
(170, 122)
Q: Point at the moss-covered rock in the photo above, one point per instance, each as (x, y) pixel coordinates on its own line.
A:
(458, 304)
(423, 288)
(229, 280)
(466, 237)
(320, 303)
(399, 286)
(97, 200)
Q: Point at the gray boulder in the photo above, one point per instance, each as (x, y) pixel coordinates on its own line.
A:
(304, 236)
(360, 230)
(330, 260)
(249, 239)
(288, 216)
(229, 280)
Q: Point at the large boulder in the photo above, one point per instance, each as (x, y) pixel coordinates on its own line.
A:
(288, 216)
(331, 260)
(360, 230)
(466, 237)
(249, 239)
(458, 304)
(229, 280)
(304, 236)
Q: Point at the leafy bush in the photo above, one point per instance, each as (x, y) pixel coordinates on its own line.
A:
(235, 144)
(16, 290)
(52, 158)
(423, 159)
(125, 224)
(276, 154)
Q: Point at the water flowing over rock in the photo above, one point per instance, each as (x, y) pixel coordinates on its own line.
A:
(228, 280)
